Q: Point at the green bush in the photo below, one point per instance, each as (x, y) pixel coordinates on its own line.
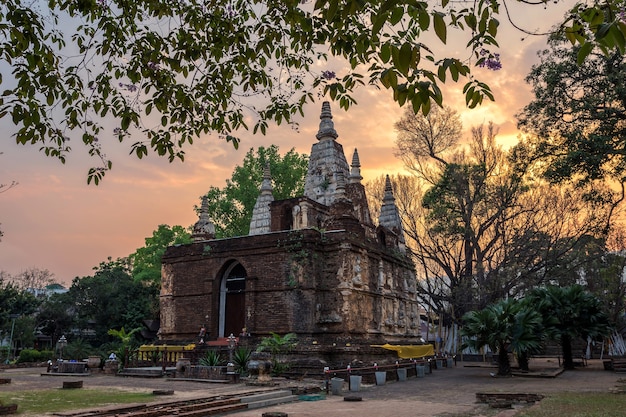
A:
(279, 368)
(29, 355)
(46, 355)
(4, 352)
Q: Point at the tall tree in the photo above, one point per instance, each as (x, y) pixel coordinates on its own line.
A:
(110, 299)
(16, 308)
(481, 232)
(472, 194)
(230, 208)
(167, 72)
(146, 261)
(577, 121)
(55, 316)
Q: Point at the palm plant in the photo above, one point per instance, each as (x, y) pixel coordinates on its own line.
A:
(507, 325)
(241, 356)
(571, 312)
(126, 339)
(278, 345)
(78, 349)
(212, 358)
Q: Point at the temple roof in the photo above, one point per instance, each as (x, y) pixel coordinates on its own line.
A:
(326, 160)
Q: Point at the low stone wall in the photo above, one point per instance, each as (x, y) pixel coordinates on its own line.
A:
(205, 372)
(72, 367)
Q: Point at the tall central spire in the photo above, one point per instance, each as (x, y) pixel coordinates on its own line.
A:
(327, 127)
(326, 161)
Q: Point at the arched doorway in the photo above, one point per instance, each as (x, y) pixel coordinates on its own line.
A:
(233, 300)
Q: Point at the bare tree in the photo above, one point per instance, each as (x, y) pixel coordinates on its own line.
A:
(480, 226)
(424, 139)
(32, 279)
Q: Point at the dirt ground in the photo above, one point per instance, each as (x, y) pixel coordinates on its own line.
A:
(445, 392)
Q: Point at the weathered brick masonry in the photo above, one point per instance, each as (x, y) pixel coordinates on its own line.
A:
(313, 265)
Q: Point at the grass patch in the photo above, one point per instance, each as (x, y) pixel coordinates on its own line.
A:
(578, 404)
(53, 400)
(570, 404)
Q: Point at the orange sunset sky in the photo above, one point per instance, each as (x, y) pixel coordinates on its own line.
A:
(53, 220)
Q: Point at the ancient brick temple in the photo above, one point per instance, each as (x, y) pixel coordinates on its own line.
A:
(313, 265)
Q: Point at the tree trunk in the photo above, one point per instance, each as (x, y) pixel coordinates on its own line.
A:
(522, 361)
(566, 345)
(504, 367)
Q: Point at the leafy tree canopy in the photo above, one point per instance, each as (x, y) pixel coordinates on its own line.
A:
(146, 261)
(110, 299)
(230, 208)
(14, 302)
(167, 72)
(576, 122)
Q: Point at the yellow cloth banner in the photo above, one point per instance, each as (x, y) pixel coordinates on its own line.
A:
(170, 348)
(409, 351)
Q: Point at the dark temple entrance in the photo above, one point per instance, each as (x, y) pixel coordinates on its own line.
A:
(233, 301)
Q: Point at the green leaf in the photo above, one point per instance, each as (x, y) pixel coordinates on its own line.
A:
(441, 73)
(332, 10)
(440, 26)
(618, 36)
(396, 15)
(493, 27)
(423, 20)
(470, 20)
(385, 52)
(584, 52)
(378, 23)
(570, 35)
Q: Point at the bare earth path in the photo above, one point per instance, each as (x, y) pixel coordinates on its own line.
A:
(444, 392)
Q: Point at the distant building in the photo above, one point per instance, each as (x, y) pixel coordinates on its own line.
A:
(313, 265)
(48, 290)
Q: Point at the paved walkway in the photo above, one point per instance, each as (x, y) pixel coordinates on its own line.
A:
(449, 390)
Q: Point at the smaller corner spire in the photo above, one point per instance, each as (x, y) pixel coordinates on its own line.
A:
(261, 213)
(390, 216)
(355, 171)
(204, 229)
(327, 127)
(340, 190)
(266, 185)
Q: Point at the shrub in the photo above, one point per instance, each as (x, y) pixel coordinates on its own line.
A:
(278, 345)
(279, 368)
(4, 352)
(46, 355)
(29, 355)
